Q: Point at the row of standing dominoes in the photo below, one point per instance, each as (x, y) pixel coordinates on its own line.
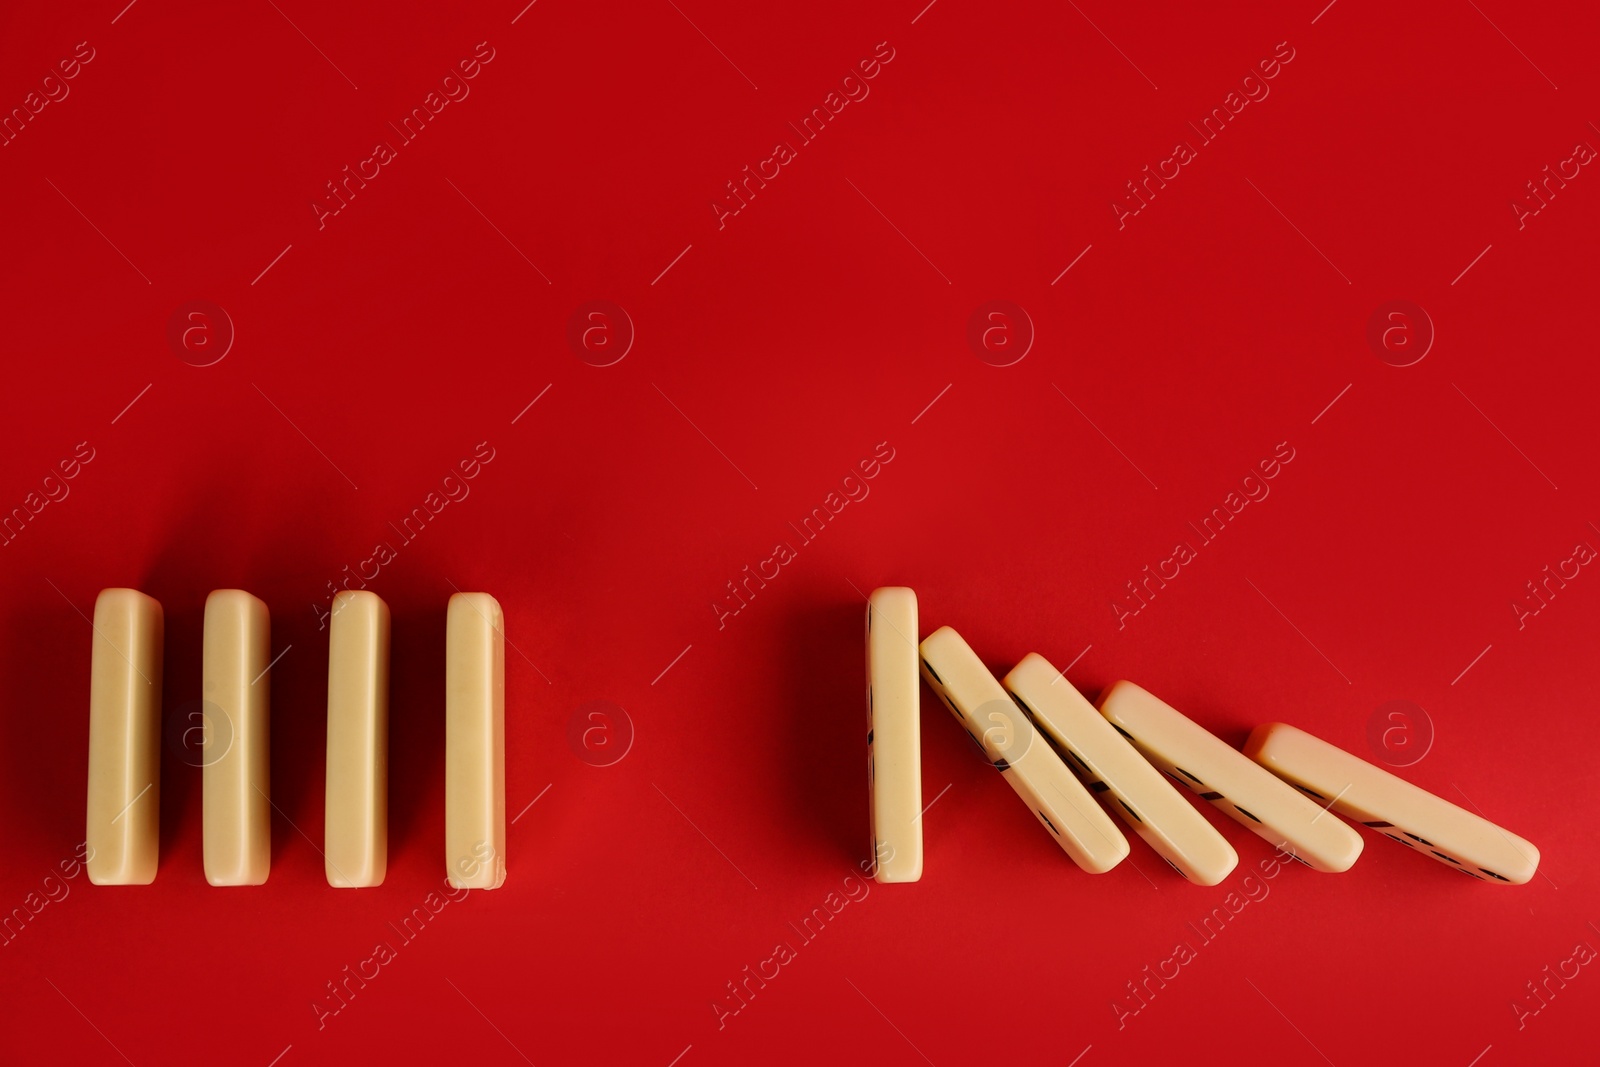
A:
(123, 841)
(1056, 750)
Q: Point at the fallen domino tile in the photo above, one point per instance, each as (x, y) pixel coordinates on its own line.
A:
(1227, 778)
(237, 821)
(356, 828)
(475, 747)
(894, 737)
(1146, 801)
(1008, 740)
(123, 835)
(1394, 807)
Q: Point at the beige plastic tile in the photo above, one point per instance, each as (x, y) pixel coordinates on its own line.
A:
(1009, 741)
(237, 817)
(124, 813)
(1392, 806)
(475, 742)
(356, 831)
(894, 734)
(1113, 768)
(1224, 776)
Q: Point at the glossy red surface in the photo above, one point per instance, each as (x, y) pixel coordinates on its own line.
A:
(438, 313)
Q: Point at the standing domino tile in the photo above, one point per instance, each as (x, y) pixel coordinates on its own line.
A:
(1392, 806)
(123, 834)
(237, 822)
(1009, 741)
(1220, 774)
(1144, 799)
(894, 734)
(356, 831)
(475, 747)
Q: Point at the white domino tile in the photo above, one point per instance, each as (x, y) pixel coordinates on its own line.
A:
(1113, 768)
(894, 734)
(1030, 766)
(356, 820)
(1392, 806)
(475, 742)
(236, 817)
(123, 832)
(1230, 780)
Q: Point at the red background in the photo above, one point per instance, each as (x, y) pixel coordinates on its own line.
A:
(375, 353)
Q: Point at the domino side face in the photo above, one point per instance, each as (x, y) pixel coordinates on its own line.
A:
(237, 821)
(475, 742)
(1219, 773)
(894, 734)
(1113, 769)
(1392, 806)
(1009, 741)
(123, 826)
(356, 820)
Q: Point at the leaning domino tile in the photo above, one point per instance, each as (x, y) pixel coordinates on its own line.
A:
(1392, 806)
(894, 734)
(356, 830)
(236, 818)
(475, 742)
(123, 831)
(1009, 741)
(1222, 775)
(1144, 799)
